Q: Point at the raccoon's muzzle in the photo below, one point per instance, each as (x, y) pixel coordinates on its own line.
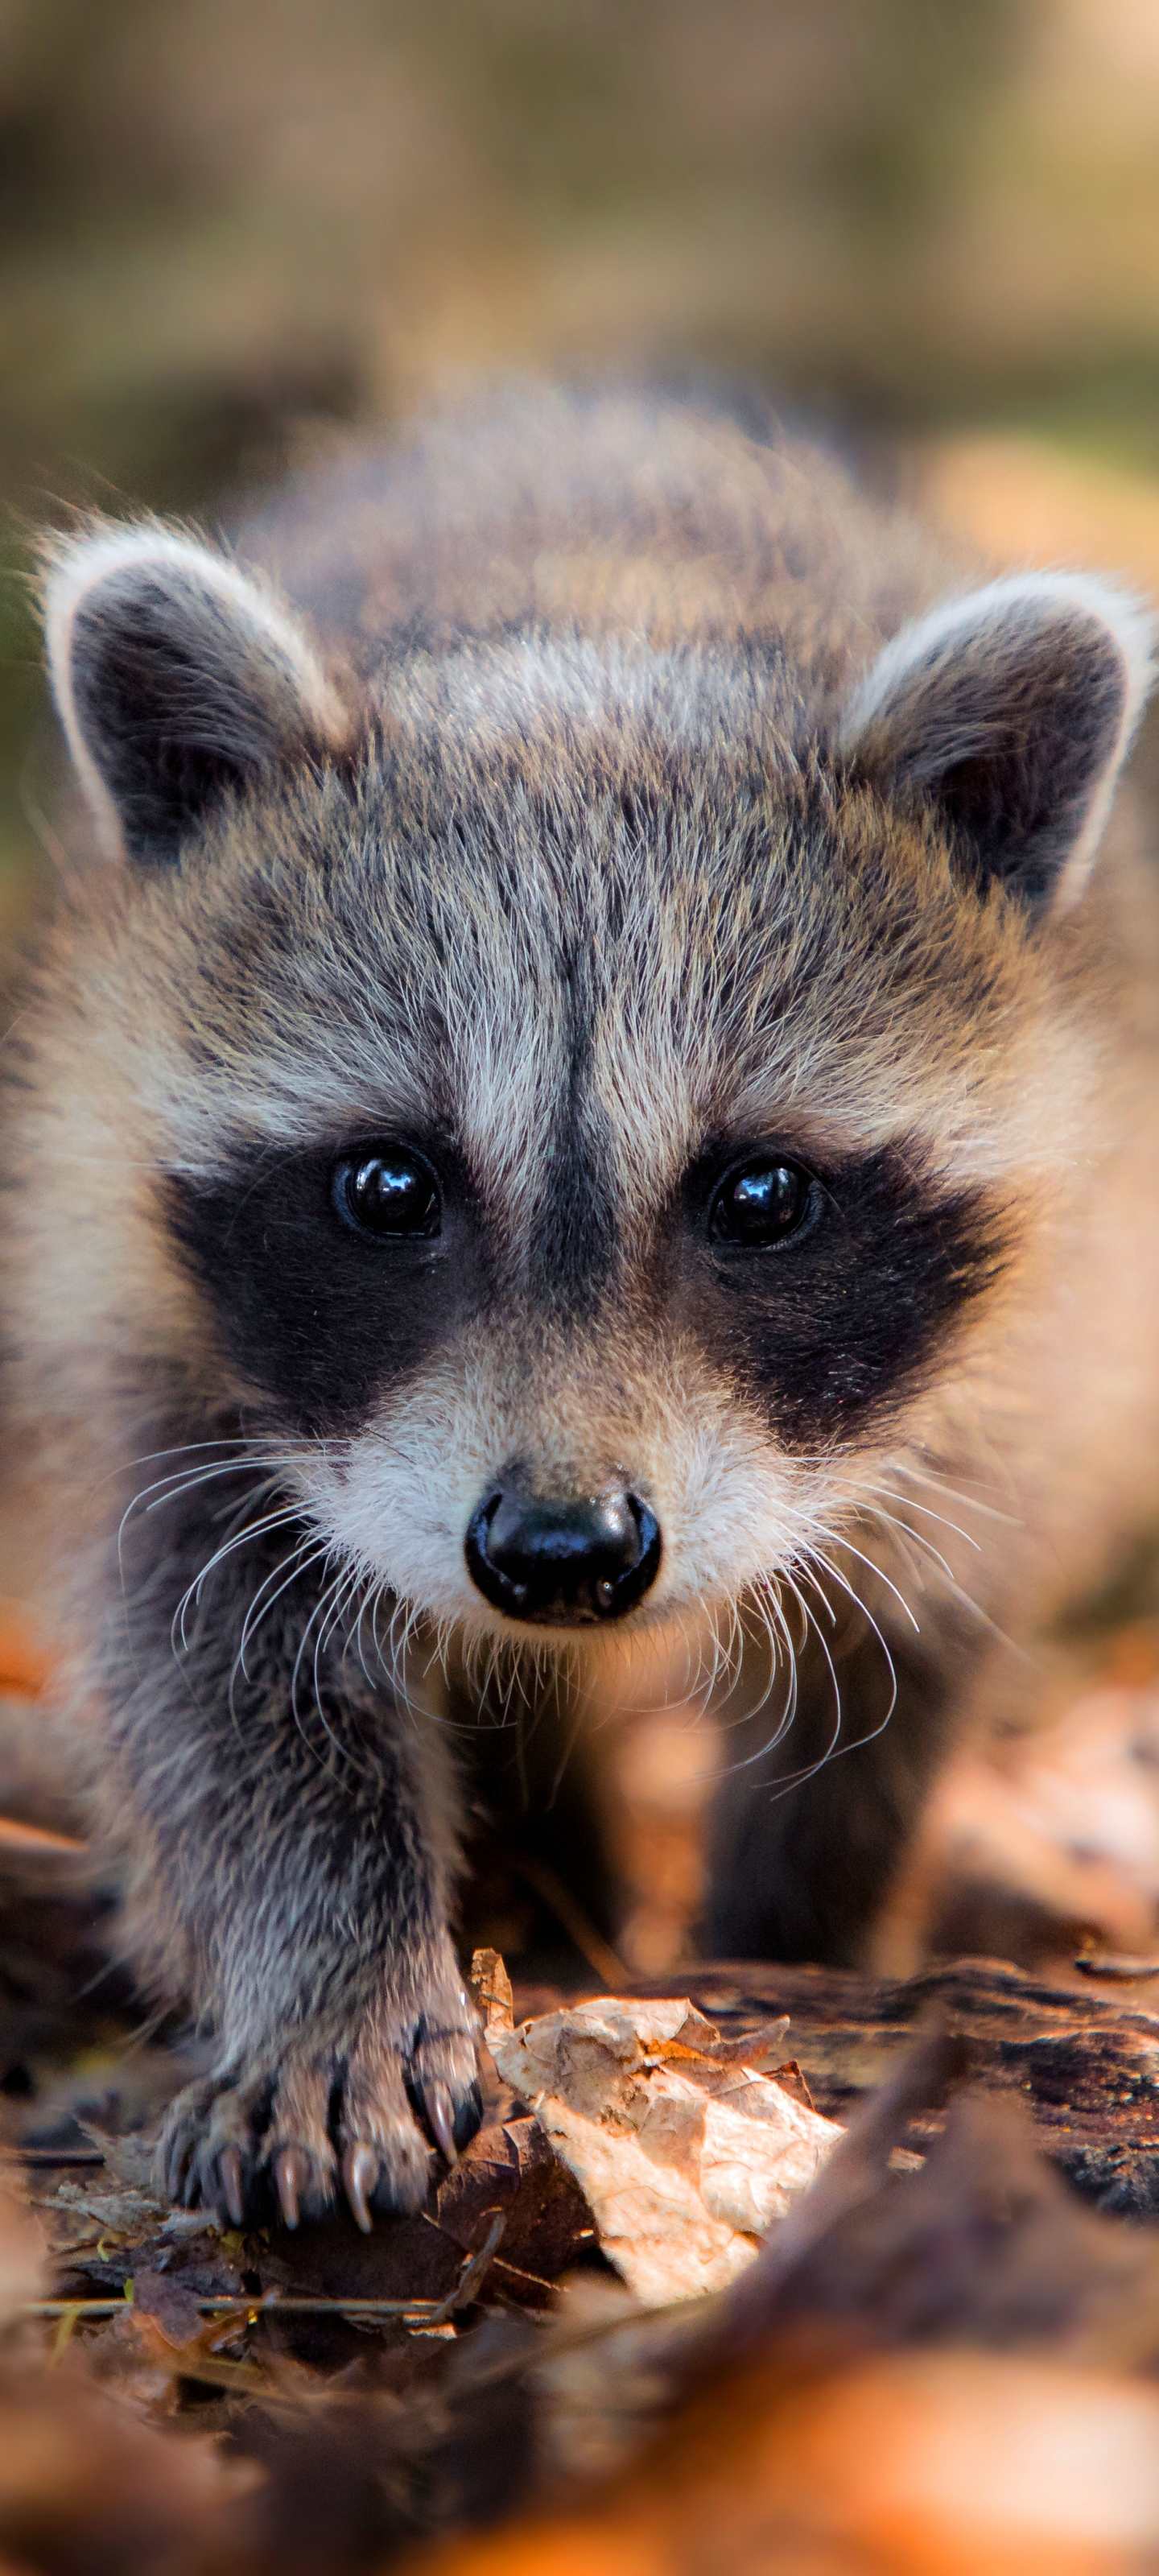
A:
(562, 1563)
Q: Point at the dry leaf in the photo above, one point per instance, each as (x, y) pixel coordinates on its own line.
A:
(685, 2151)
(491, 1987)
(169, 2306)
(512, 2169)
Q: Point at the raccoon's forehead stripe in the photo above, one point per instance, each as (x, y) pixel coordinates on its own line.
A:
(534, 1129)
(495, 959)
(488, 696)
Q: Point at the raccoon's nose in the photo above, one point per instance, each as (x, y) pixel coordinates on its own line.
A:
(562, 1564)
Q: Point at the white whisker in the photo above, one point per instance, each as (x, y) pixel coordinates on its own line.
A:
(843, 1541)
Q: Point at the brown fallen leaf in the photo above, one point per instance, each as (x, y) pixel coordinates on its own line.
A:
(165, 2304)
(513, 2169)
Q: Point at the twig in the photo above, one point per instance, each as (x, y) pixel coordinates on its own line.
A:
(576, 1922)
(276, 2303)
(472, 2274)
(267, 2303)
(37, 1841)
(62, 2338)
(40, 2156)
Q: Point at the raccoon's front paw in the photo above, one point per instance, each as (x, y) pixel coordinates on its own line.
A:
(253, 2140)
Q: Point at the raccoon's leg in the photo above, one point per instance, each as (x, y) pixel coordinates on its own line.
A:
(291, 1840)
(801, 1858)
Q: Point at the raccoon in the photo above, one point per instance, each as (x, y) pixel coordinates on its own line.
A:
(598, 1095)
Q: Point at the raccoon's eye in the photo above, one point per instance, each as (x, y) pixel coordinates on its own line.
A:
(764, 1203)
(390, 1192)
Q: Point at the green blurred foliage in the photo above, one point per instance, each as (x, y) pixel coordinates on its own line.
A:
(222, 219)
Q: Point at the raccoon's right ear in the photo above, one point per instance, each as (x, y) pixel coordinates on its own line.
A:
(1011, 710)
(176, 679)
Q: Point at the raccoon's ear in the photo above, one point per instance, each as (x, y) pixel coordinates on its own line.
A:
(176, 678)
(1011, 709)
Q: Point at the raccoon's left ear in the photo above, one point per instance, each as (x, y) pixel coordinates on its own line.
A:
(177, 679)
(1011, 710)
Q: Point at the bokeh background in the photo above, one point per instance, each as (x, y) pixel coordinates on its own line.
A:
(930, 227)
(224, 220)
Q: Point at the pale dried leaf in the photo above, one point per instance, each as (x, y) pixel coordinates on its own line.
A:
(652, 2221)
(491, 1988)
(685, 2155)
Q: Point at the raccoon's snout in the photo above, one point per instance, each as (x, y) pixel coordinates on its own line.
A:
(562, 1564)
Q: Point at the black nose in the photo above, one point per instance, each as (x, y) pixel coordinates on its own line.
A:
(562, 1564)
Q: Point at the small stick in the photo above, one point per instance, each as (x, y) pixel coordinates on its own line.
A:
(37, 1840)
(267, 2303)
(473, 2272)
(576, 1921)
(428, 2312)
(40, 2156)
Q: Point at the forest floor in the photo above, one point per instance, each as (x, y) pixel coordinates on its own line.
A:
(944, 2353)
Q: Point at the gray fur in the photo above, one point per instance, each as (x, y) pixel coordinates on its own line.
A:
(578, 814)
(307, 1865)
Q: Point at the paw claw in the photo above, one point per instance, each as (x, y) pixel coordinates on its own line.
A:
(292, 2177)
(440, 2111)
(277, 2135)
(359, 2176)
(469, 2115)
(229, 2168)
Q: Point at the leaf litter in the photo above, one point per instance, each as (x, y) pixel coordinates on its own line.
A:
(662, 2308)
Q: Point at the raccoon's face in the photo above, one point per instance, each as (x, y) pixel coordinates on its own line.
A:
(598, 1118)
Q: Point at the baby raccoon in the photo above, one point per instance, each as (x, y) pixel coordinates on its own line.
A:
(599, 1096)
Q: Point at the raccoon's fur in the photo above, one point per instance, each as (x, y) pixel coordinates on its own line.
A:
(684, 877)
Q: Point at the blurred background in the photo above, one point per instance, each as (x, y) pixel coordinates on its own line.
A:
(221, 224)
(930, 228)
